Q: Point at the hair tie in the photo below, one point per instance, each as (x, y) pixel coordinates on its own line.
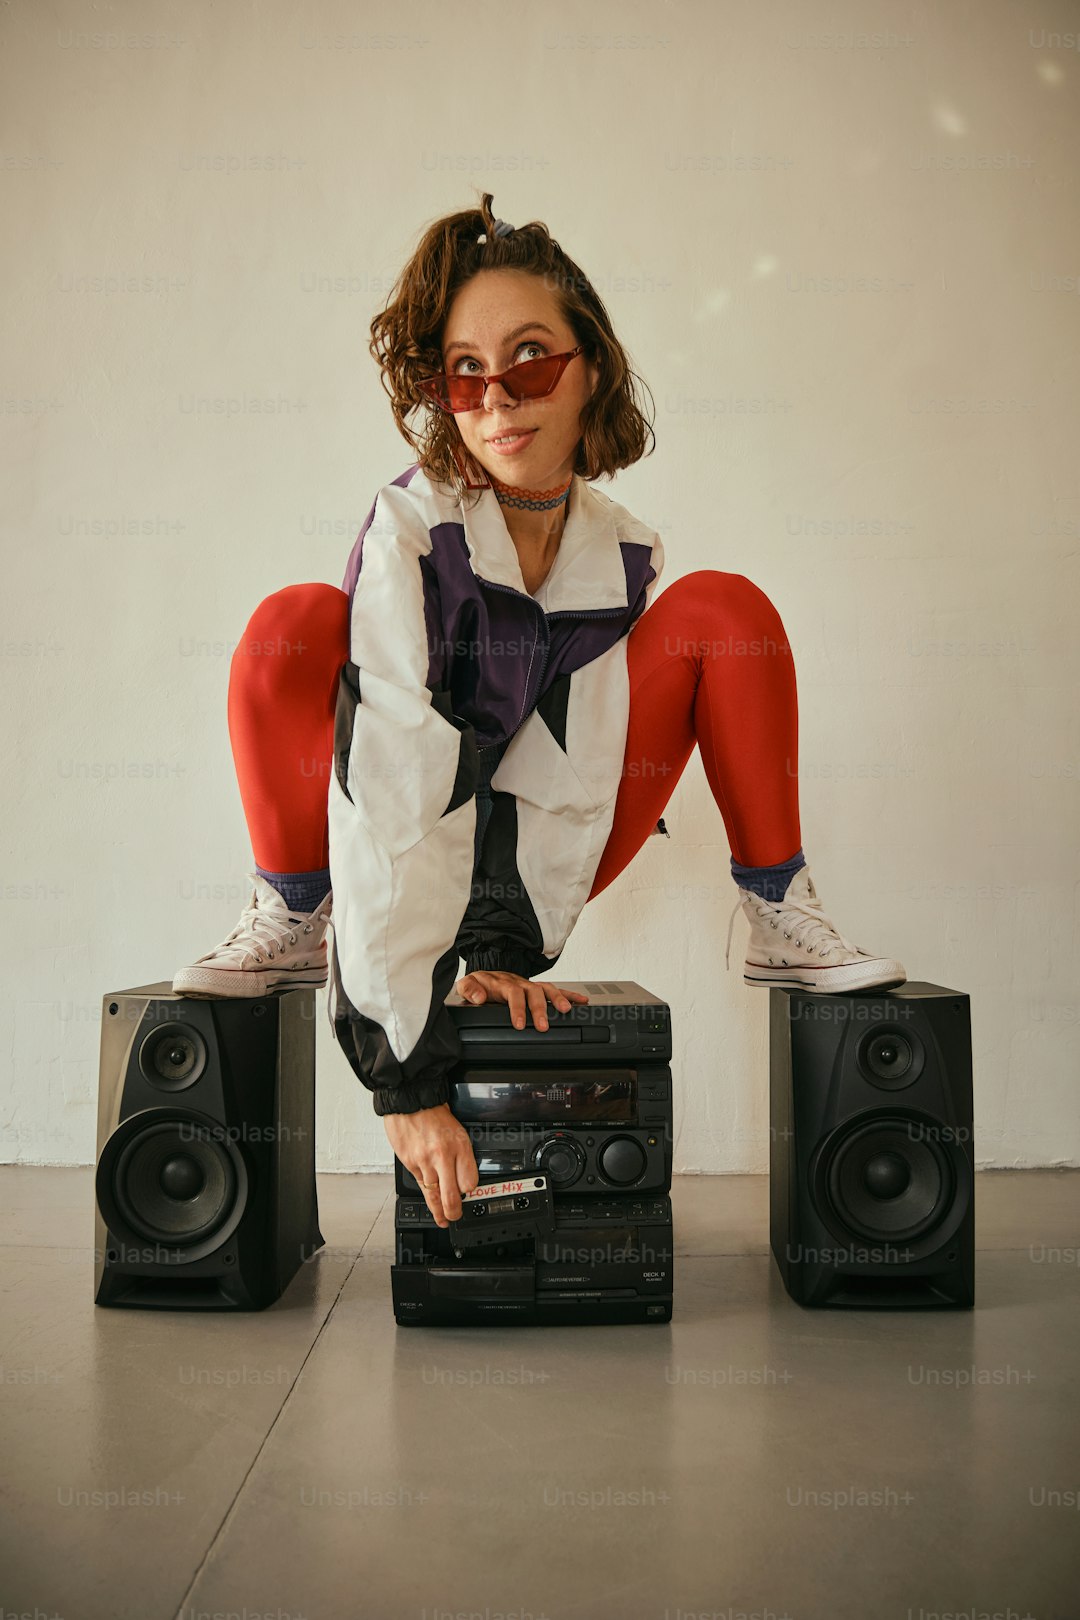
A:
(500, 228)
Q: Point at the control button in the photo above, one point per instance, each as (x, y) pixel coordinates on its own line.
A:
(622, 1160)
(562, 1157)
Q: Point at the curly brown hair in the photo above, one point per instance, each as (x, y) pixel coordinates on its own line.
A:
(406, 341)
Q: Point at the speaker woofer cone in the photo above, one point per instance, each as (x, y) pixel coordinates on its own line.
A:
(879, 1181)
(175, 1180)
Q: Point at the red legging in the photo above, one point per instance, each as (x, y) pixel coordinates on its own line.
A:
(709, 662)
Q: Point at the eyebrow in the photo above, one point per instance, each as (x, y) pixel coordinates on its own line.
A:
(529, 326)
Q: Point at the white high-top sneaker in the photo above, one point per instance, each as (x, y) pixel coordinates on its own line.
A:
(792, 941)
(270, 946)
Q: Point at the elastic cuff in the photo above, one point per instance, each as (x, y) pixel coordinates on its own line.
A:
(411, 1097)
(497, 959)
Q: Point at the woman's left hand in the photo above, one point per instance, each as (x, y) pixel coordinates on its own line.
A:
(515, 990)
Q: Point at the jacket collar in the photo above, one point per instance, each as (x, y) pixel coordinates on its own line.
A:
(588, 571)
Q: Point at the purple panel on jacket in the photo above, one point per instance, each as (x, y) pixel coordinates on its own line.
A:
(578, 639)
(494, 647)
(492, 640)
(500, 651)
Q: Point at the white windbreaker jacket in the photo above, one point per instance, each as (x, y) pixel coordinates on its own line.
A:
(478, 750)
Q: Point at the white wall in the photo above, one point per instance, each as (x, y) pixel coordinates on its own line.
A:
(848, 269)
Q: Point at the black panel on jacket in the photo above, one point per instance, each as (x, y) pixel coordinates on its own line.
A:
(552, 707)
(348, 696)
(468, 764)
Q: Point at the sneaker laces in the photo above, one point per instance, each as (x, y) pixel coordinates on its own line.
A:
(814, 927)
(265, 929)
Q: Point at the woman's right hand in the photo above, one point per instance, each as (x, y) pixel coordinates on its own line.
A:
(438, 1150)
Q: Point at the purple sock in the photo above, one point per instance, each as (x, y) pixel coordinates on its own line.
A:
(770, 882)
(301, 891)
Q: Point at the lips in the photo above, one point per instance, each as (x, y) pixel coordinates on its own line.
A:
(517, 441)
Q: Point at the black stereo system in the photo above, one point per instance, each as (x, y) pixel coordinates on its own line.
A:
(586, 1106)
(205, 1182)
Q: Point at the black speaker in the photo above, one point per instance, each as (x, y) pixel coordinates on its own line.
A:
(871, 1156)
(205, 1183)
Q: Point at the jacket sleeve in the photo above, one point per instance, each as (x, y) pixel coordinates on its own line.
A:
(402, 816)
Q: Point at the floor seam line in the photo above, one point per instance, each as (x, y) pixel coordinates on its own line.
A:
(227, 1515)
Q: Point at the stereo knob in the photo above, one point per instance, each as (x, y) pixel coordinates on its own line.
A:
(622, 1160)
(562, 1157)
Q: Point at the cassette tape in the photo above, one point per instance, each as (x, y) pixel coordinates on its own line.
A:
(499, 1211)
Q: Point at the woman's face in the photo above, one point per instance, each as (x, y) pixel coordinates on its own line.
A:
(499, 318)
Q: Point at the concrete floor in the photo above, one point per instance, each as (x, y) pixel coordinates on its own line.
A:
(749, 1458)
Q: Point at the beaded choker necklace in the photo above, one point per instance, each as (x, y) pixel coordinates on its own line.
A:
(532, 500)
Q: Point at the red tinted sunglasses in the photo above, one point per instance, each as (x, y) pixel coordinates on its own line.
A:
(530, 380)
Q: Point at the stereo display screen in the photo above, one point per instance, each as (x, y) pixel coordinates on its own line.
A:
(546, 1094)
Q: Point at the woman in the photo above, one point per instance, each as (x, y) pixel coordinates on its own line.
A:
(497, 745)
